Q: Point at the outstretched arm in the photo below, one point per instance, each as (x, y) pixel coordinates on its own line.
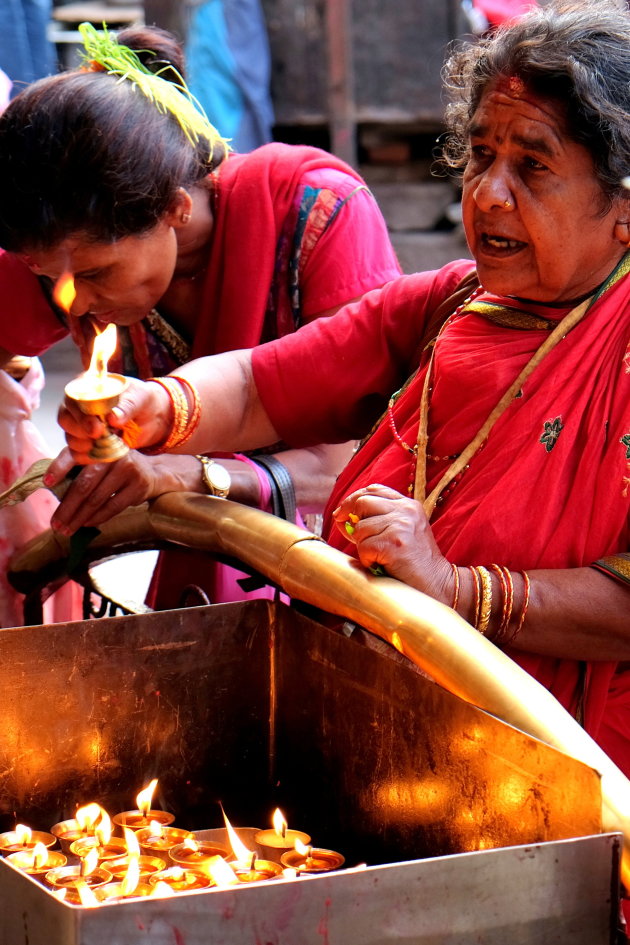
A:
(232, 415)
(573, 613)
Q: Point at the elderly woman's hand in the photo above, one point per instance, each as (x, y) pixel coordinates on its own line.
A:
(392, 531)
(143, 416)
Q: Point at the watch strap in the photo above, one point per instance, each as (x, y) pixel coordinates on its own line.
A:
(282, 489)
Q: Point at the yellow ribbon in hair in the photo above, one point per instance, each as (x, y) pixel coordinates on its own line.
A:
(103, 53)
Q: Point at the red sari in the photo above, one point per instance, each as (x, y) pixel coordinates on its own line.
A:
(550, 486)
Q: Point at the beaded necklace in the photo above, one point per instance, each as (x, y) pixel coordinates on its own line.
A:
(419, 454)
(414, 450)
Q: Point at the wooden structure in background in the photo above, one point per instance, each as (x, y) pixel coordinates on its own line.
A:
(340, 63)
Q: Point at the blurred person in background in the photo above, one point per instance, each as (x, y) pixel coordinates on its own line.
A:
(25, 52)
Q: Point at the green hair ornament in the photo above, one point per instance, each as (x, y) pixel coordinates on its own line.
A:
(103, 53)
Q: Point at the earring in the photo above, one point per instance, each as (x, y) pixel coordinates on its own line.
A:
(185, 218)
(507, 204)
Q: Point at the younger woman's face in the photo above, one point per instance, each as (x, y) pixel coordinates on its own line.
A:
(114, 282)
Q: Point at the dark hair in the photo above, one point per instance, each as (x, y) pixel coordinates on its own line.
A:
(87, 152)
(157, 49)
(568, 52)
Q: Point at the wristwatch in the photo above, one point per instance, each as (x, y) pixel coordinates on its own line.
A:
(215, 477)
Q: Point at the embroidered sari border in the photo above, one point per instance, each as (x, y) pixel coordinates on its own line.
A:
(615, 566)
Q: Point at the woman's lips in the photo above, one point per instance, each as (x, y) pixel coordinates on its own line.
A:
(493, 244)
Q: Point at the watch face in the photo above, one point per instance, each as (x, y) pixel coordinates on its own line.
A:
(218, 477)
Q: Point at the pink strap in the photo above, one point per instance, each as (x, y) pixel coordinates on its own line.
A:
(263, 481)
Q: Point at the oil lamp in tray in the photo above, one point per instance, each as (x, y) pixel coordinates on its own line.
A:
(275, 841)
(82, 825)
(255, 870)
(129, 887)
(23, 839)
(71, 878)
(247, 867)
(106, 846)
(37, 860)
(196, 854)
(156, 839)
(307, 859)
(148, 865)
(144, 816)
(180, 879)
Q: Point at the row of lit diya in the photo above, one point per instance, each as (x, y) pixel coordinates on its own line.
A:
(152, 857)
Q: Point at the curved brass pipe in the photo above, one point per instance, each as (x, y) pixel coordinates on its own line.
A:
(430, 634)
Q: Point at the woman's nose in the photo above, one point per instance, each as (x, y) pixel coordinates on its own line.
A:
(83, 301)
(493, 191)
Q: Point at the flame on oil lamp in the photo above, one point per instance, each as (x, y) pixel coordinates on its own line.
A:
(273, 843)
(23, 838)
(129, 887)
(247, 867)
(162, 890)
(82, 825)
(23, 834)
(240, 851)
(89, 863)
(37, 859)
(87, 873)
(144, 816)
(84, 893)
(307, 859)
(106, 847)
(147, 864)
(95, 391)
(131, 878)
(221, 873)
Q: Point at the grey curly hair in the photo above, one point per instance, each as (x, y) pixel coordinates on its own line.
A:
(576, 54)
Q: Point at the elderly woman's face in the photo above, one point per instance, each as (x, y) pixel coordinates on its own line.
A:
(533, 210)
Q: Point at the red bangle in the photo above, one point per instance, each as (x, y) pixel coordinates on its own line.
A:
(526, 594)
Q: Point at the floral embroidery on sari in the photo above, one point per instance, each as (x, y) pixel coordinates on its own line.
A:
(553, 429)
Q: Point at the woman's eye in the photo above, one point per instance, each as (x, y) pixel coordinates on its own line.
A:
(534, 165)
(480, 156)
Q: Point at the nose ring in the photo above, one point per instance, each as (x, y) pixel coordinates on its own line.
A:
(507, 204)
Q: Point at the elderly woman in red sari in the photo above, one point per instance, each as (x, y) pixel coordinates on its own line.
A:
(498, 477)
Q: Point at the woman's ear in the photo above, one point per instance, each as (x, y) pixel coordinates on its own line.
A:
(180, 210)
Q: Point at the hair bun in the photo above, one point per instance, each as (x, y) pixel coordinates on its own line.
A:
(157, 49)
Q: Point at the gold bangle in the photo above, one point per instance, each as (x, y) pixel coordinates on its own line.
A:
(477, 592)
(455, 570)
(485, 608)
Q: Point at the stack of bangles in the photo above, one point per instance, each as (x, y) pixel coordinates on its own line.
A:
(509, 624)
(185, 409)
